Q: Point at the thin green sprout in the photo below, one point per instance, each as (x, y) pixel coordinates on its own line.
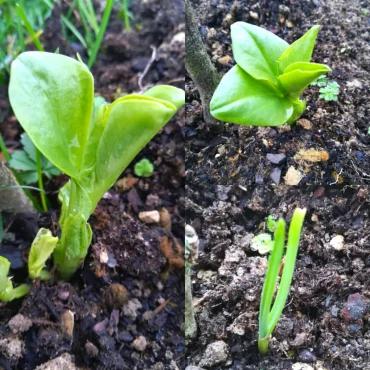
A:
(268, 316)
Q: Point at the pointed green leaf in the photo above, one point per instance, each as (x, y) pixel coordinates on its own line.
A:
(131, 122)
(167, 93)
(4, 271)
(300, 75)
(243, 100)
(52, 97)
(300, 51)
(257, 50)
(41, 250)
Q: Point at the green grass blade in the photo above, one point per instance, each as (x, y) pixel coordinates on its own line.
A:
(22, 16)
(40, 182)
(286, 279)
(84, 19)
(102, 29)
(75, 31)
(126, 18)
(271, 278)
(86, 10)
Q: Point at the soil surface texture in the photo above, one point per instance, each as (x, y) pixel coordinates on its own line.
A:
(325, 322)
(124, 309)
(331, 143)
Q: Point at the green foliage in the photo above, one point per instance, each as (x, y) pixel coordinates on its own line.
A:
(125, 14)
(144, 168)
(262, 243)
(321, 81)
(7, 291)
(365, 11)
(41, 249)
(263, 89)
(89, 140)
(25, 161)
(330, 92)
(269, 316)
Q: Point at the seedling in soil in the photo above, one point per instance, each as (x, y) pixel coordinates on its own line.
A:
(25, 161)
(269, 316)
(365, 11)
(7, 291)
(265, 86)
(144, 168)
(91, 141)
(330, 92)
(41, 249)
(321, 81)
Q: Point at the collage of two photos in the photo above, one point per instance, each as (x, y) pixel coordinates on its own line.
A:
(184, 185)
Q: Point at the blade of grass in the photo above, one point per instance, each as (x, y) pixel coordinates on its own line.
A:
(75, 31)
(86, 9)
(88, 34)
(22, 16)
(20, 187)
(102, 29)
(126, 18)
(40, 182)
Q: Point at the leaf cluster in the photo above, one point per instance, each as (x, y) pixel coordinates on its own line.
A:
(264, 87)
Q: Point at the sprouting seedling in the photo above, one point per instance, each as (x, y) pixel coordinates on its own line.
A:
(365, 11)
(41, 249)
(265, 86)
(144, 168)
(263, 242)
(321, 81)
(90, 140)
(269, 316)
(330, 92)
(7, 291)
(25, 161)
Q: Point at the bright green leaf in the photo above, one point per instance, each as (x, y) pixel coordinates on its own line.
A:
(21, 161)
(257, 50)
(300, 51)
(41, 250)
(241, 99)
(167, 93)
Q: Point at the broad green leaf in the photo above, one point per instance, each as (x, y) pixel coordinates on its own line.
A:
(52, 97)
(241, 99)
(300, 75)
(131, 123)
(257, 51)
(167, 93)
(28, 177)
(300, 51)
(21, 161)
(41, 250)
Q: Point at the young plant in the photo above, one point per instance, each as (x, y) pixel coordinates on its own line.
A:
(91, 141)
(144, 168)
(25, 161)
(269, 316)
(265, 86)
(7, 291)
(330, 92)
(321, 81)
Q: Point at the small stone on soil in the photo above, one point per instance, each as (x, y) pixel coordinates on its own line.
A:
(215, 354)
(62, 362)
(140, 344)
(68, 322)
(19, 323)
(276, 158)
(91, 350)
(293, 176)
(131, 307)
(125, 336)
(222, 191)
(150, 217)
(305, 123)
(355, 308)
(12, 347)
(306, 356)
(275, 175)
(301, 366)
(337, 242)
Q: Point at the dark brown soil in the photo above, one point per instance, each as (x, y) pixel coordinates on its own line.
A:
(338, 128)
(146, 260)
(325, 323)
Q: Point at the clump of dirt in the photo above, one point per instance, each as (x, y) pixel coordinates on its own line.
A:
(325, 323)
(340, 129)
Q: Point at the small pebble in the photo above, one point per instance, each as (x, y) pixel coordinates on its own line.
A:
(276, 175)
(276, 158)
(305, 123)
(115, 296)
(215, 353)
(150, 217)
(355, 308)
(140, 344)
(19, 323)
(125, 336)
(91, 350)
(337, 242)
(307, 356)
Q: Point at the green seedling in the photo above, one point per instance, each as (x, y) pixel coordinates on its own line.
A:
(321, 81)
(269, 316)
(265, 86)
(25, 161)
(7, 291)
(41, 249)
(330, 92)
(263, 243)
(144, 168)
(91, 141)
(365, 11)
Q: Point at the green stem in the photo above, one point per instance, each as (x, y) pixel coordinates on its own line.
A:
(40, 182)
(20, 291)
(263, 346)
(102, 28)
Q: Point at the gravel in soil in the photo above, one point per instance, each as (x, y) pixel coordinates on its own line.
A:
(337, 132)
(125, 308)
(325, 323)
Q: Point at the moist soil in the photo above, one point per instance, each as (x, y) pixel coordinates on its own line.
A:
(337, 130)
(128, 299)
(325, 322)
